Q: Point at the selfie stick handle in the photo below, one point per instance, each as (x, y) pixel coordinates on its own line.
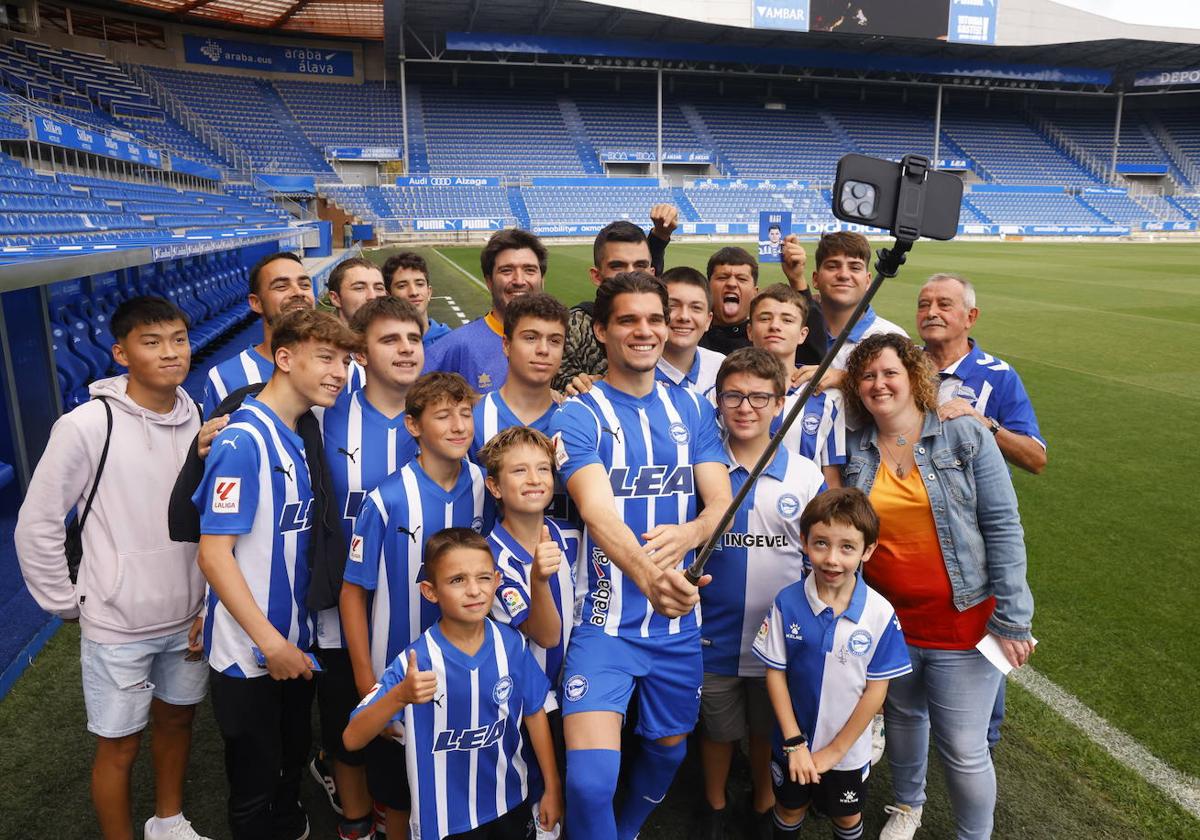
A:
(887, 265)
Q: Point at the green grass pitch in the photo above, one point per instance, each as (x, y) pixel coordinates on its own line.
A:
(1107, 340)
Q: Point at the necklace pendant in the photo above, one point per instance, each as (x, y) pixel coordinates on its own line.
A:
(902, 441)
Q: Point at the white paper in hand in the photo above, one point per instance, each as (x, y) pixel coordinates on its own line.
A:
(989, 646)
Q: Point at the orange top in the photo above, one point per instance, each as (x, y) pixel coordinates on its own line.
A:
(908, 569)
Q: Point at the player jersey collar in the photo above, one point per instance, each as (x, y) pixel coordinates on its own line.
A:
(858, 599)
(540, 423)
(511, 544)
(860, 329)
(252, 351)
(777, 469)
(495, 324)
(449, 651)
(973, 352)
(463, 484)
(617, 395)
(284, 429)
(377, 416)
(674, 375)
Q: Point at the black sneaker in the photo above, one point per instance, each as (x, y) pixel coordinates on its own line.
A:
(323, 773)
(293, 824)
(712, 823)
(761, 825)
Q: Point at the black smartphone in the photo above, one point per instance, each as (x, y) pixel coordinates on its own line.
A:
(868, 191)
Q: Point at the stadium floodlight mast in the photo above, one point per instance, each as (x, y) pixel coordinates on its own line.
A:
(910, 199)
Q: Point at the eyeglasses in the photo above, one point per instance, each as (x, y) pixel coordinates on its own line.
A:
(733, 399)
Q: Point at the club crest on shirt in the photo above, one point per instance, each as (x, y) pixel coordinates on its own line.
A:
(678, 433)
(811, 423)
(227, 494)
(575, 687)
(484, 382)
(788, 506)
(859, 642)
(502, 690)
(514, 603)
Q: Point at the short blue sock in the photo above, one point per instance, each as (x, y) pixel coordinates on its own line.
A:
(591, 785)
(649, 782)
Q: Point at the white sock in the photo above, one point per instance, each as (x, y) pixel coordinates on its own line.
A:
(165, 823)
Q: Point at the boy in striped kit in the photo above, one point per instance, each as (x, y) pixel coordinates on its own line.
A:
(255, 514)
(458, 697)
(279, 284)
(760, 555)
(777, 324)
(635, 454)
(365, 441)
(381, 606)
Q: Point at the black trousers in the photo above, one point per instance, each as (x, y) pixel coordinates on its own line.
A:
(267, 730)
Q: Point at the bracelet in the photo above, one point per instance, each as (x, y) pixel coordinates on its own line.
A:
(794, 743)
(793, 748)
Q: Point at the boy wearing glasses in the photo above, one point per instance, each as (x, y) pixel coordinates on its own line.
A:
(759, 555)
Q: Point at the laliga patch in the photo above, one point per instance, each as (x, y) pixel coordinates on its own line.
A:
(502, 690)
(788, 506)
(764, 629)
(678, 433)
(560, 450)
(859, 643)
(575, 687)
(514, 603)
(356, 548)
(227, 495)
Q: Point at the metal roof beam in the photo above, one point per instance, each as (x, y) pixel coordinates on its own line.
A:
(190, 6)
(544, 17)
(288, 15)
(610, 23)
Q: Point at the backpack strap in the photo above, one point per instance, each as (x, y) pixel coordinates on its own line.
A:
(87, 507)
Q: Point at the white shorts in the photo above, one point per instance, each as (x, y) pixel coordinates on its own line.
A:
(120, 680)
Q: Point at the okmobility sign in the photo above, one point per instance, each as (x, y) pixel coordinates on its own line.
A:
(47, 130)
(267, 58)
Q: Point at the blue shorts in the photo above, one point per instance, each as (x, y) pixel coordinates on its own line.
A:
(600, 672)
(119, 681)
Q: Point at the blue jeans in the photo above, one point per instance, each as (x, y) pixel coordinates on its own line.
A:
(950, 692)
(997, 716)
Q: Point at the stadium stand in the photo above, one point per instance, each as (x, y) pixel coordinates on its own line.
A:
(250, 113)
(550, 205)
(744, 205)
(1032, 208)
(623, 123)
(345, 114)
(1006, 149)
(497, 132)
(1118, 208)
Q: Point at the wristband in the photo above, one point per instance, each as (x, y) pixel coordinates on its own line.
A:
(790, 745)
(994, 425)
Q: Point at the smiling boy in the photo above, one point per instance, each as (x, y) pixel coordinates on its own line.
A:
(684, 362)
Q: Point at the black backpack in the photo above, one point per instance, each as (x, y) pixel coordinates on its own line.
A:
(73, 544)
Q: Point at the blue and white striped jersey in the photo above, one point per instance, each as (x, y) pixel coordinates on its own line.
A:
(759, 555)
(819, 433)
(648, 446)
(246, 368)
(465, 749)
(869, 324)
(362, 447)
(386, 549)
(701, 378)
(995, 390)
(513, 596)
(256, 485)
(492, 416)
(249, 368)
(829, 658)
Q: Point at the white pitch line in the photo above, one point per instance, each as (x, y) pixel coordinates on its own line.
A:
(464, 272)
(1183, 789)
(454, 307)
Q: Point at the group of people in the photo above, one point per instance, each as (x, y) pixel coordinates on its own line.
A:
(470, 545)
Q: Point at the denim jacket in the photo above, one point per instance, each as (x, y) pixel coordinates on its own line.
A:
(974, 509)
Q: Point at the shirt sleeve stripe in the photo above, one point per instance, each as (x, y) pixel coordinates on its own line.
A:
(890, 675)
(772, 664)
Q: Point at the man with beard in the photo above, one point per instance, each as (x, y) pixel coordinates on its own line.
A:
(513, 264)
(279, 283)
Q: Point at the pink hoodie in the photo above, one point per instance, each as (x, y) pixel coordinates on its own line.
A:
(134, 582)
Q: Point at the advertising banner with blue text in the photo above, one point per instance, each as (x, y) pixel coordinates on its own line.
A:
(267, 58)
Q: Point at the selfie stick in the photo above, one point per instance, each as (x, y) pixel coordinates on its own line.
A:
(887, 264)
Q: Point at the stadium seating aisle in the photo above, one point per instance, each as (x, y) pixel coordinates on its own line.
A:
(343, 114)
(1010, 151)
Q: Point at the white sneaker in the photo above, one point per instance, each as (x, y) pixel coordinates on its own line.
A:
(181, 830)
(903, 822)
(878, 742)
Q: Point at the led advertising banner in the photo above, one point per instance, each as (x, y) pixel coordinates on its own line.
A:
(964, 21)
(267, 58)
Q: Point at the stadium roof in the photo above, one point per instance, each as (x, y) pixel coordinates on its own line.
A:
(426, 24)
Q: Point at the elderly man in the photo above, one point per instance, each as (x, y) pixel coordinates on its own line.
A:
(976, 383)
